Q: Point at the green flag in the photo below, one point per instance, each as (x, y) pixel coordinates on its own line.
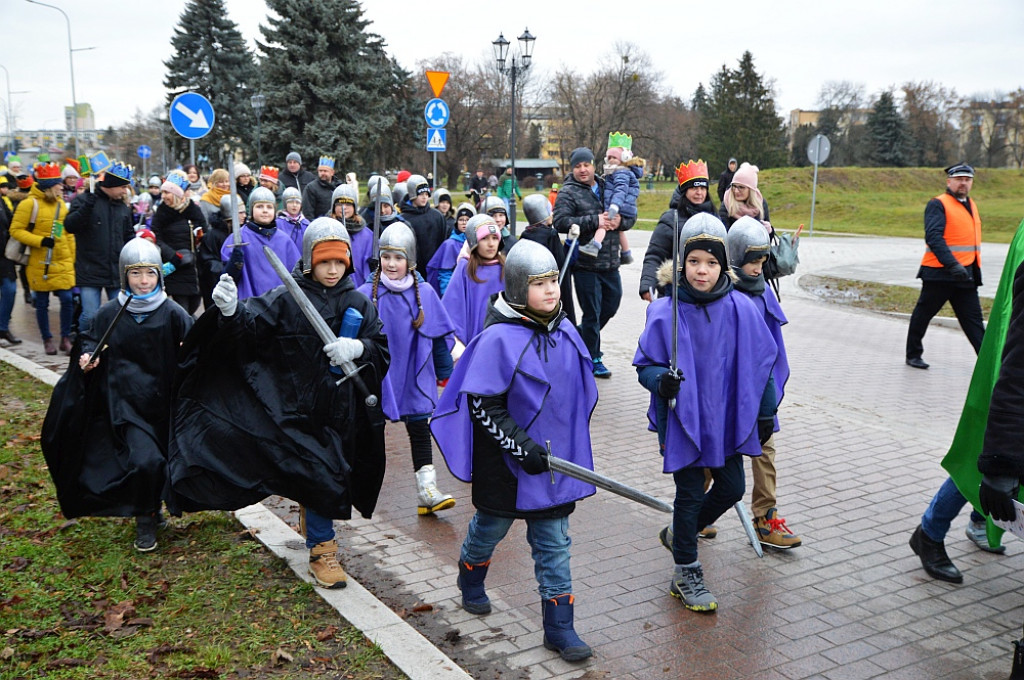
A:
(962, 460)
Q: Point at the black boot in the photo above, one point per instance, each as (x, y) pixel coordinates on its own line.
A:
(934, 558)
(145, 532)
(10, 337)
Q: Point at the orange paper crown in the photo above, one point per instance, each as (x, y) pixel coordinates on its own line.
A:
(46, 171)
(269, 172)
(692, 170)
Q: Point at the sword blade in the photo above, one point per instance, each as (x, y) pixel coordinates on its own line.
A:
(584, 475)
(102, 344)
(376, 223)
(674, 361)
(236, 228)
(568, 257)
(748, 526)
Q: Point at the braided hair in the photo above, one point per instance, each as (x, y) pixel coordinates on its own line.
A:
(418, 321)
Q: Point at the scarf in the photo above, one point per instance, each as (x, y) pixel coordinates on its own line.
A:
(397, 285)
(213, 196)
(143, 304)
(752, 285)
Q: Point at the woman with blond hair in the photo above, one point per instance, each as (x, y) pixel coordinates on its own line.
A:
(743, 199)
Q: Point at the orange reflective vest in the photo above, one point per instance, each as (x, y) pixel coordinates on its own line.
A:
(963, 233)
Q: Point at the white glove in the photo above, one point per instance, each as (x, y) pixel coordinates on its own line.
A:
(457, 350)
(344, 350)
(574, 232)
(225, 295)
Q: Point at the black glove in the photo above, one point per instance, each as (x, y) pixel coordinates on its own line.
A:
(48, 242)
(997, 494)
(960, 272)
(765, 429)
(668, 384)
(236, 261)
(183, 258)
(535, 461)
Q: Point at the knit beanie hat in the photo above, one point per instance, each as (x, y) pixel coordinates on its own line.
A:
(580, 155)
(176, 183)
(68, 171)
(331, 250)
(746, 175)
(293, 156)
(241, 169)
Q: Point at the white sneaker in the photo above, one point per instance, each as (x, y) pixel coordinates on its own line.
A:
(430, 499)
(977, 535)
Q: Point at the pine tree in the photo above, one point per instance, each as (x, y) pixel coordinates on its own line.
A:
(211, 58)
(332, 90)
(888, 133)
(738, 119)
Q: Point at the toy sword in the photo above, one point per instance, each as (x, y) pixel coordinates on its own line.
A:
(319, 325)
(586, 475)
(102, 344)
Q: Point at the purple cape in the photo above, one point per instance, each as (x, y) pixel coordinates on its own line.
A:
(410, 386)
(769, 306)
(551, 393)
(446, 257)
(726, 353)
(257, 275)
(362, 250)
(293, 230)
(467, 301)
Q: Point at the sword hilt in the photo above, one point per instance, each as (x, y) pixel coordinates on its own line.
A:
(547, 442)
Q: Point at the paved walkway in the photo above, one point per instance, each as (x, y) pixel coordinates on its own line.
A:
(859, 451)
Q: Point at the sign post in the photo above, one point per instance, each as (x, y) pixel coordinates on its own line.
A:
(436, 114)
(192, 117)
(817, 152)
(144, 153)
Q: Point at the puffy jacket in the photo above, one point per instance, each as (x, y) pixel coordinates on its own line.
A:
(316, 198)
(177, 242)
(298, 180)
(102, 227)
(578, 204)
(660, 247)
(60, 274)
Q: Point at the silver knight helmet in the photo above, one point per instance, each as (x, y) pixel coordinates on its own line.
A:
(703, 231)
(398, 195)
(537, 208)
(345, 193)
(398, 238)
(416, 185)
(478, 227)
(748, 241)
(291, 194)
(319, 230)
(139, 253)
(440, 195)
(371, 187)
(261, 195)
(526, 262)
(493, 204)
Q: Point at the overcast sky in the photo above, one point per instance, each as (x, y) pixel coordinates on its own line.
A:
(974, 47)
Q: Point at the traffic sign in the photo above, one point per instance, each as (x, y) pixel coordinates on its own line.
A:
(192, 115)
(144, 151)
(437, 80)
(436, 113)
(818, 149)
(437, 139)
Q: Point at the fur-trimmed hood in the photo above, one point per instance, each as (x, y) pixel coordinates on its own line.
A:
(664, 274)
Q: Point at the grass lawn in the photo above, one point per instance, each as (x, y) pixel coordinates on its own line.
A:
(77, 601)
(878, 297)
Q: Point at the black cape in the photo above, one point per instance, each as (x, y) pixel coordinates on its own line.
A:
(105, 433)
(257, 412)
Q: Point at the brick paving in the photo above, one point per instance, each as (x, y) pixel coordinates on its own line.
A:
(858, 457)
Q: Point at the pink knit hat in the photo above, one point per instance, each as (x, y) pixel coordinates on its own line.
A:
(746, 176)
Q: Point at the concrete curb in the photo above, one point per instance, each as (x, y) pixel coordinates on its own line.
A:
(416, 656)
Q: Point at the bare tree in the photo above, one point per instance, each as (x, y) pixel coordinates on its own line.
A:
(930, 110)
(842, 112)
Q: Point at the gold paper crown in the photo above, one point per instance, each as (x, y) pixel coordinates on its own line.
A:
(620, 139)
(692, 170)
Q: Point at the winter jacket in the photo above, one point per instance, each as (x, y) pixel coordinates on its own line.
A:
(298, 180)
(507, 186)
(244, 191)
(660, 247)
(175, 236)
(316, 198)
(724, 180)
(7, 270)
(622, 188)
(578, 204)
(430, 228)
(101, 226)
(935, 238)
(60, 273)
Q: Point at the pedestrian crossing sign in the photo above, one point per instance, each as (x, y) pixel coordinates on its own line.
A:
(437, 139)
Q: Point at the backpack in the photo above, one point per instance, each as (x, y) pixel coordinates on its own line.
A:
(783, 257)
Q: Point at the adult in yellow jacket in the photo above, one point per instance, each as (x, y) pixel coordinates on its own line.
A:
(51, 263)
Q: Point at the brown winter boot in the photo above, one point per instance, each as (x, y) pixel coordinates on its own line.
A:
(324, 566)
(49, 346)
(65, 345)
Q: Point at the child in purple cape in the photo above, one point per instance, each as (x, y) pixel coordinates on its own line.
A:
(442, 265)
(748, 249)
(291, 221)
(345, 209)
(477, 276)
(417, 326)
(246, 264)
(524, 382)
(722, 387)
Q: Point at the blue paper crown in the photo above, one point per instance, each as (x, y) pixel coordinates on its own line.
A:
(121, 170)
(326, 161)
(179, 179)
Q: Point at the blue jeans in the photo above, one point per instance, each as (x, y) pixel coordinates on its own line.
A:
(41, 300)
(945, 506)
(693, 509)
(599, 294)
(319, 529)
(90, 296)
(8, 292)
(548, 539)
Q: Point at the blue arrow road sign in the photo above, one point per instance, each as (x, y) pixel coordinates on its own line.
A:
(437, 139)
(192, 115)
(144, 151)
(436, 113)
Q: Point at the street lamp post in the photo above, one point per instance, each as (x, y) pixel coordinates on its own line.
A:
(258, 101)
(513, 67)
(10, 111)
(71, 60)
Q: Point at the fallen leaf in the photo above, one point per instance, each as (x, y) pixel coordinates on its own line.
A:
(327, 633)
(423, 608)
(6, 653)
(5, 472)
(279, 657)
(153, 655)
(114, 617)
(197, 672)
(17, 564)
(249, 533)
(142, 622)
